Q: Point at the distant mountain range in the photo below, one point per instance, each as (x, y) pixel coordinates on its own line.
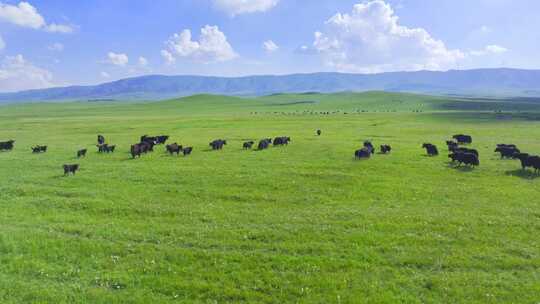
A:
(481, 82)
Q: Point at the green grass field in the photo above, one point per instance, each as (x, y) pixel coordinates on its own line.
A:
(299, 224)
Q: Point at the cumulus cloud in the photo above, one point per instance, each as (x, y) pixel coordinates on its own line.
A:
(25, 15)
(17, 74)
(168, 57)
(370, 39)
(238, 7)
(2, 43)
(56, 47)
(143, 62)
(117, 59)
(490, 49)
(270, 46)
(212, 46)
(104, 75)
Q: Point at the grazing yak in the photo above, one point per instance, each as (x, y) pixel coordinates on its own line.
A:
(369, 146)
(469, 159)
(81, 153)
(431, 150)
(319, 132)
(39, 149)
(452, 145)
(528, 161)
(465, 150)
(162, 139)
(217, 144)
(137, 150)
(385, 149)
(507, 151)
(463, 139)
(187, 151)
(248, 145)
(174, 148)
(282, 140)
(100, 139)
(70, 169)
(264, 143)
(105, 148)
(6, 145)
(362, 153)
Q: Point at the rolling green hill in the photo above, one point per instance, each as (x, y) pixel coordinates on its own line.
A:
(305, 223)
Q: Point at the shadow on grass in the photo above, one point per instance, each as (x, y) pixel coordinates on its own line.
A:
(525, 174)
(461, 168)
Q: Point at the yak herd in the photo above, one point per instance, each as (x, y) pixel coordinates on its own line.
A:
(457, 152)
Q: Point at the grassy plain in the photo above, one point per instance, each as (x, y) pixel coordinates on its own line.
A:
(304, 223)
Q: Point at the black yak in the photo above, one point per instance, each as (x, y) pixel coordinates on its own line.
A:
(507, 151)
(187, 151)
(362, 153)
(70, 169)
(431, 150)
(385, 149)
(319, 132)
(468, 159)
(7, 145)
(248, 145)
(218, 144)
(174, 148)
(81, 153)
(100, 139)
(463, 139)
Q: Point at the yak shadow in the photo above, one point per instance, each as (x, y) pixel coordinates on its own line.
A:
(461, 168)
(524, 174)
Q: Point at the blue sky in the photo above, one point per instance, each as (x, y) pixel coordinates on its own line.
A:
(47, 43)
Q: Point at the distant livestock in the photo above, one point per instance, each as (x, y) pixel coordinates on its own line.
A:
(187, 151)
(528, 161)
(105, 148)
(218, 144)
(6, 145)
(280, 141)
(173, 148)
(81, 153)
(431, 150)
(385, 149)
(469, 159)
(39, 149)
(507, 151)
(248, 145)
(368, 145)
(463, 139)
(70, 169)
(363, 153)
(452, 145)
(100, 139)
(137, 150)
(319, 132)
(264, 144)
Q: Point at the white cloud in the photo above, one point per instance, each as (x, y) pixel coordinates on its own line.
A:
(489, 49)
(25, 15)
(2, 43)
(17, 74)
(496, 49)
(370, 40)
(485, 29)
(143, 62)
(168, 57)
(117, 59)
(104, 75)
(270, 46)
(56, 47)
(238, 7)
(211, 47)
(59, 28)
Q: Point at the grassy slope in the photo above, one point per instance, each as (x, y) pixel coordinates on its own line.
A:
(304, 223)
